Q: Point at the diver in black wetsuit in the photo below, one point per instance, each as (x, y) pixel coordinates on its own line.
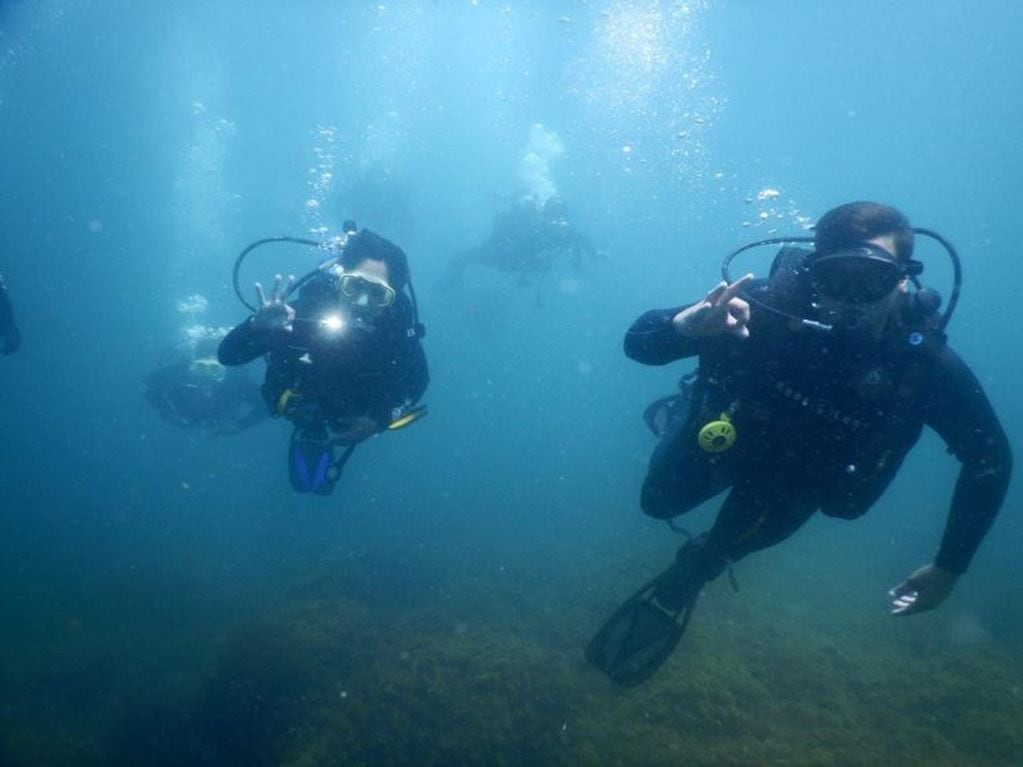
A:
(344, 359)
(526, 239)
(8, 327)
(196, 391)
(792, 417)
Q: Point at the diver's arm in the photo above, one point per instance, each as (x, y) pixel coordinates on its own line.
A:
(653, 340)
(960, 412)
(244, 343)
(925, 589)
(268, 328)
(721, 313)
(954, 405)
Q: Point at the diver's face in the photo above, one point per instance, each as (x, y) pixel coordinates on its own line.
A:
(373, 268)
(867, 315)
(867, 319)
(365, 288)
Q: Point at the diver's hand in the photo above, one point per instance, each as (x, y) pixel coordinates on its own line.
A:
(722, 312)
(274, 314)
(924, 590)
(357, 429)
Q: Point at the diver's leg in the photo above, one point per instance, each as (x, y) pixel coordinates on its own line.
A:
(753, 517)
(681, 476)
(760, 514)
(310, 459)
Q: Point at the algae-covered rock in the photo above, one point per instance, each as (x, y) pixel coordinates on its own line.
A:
(325, 677)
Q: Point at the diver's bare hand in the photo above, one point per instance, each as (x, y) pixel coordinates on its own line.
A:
(722, 312)
(274, 314)
(924, 590)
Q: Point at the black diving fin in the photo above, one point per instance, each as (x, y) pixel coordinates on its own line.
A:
(641, 634)
(638, 637)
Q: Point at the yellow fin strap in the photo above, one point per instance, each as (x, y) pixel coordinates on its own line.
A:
(410, 417)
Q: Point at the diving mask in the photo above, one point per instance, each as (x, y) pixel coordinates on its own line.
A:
(364, 291)
(863, 274)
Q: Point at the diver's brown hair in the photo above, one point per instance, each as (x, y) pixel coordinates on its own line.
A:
(856, 222)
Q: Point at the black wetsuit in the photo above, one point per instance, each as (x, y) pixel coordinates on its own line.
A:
(376, 369)
(9, 332)
(822, 423)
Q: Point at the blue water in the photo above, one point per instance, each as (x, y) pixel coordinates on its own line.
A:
(145, 144)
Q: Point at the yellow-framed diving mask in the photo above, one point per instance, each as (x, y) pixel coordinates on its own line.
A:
(364, 291)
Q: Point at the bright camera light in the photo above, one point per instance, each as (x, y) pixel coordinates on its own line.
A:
(332, 323)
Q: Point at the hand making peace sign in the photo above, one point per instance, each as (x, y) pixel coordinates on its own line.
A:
(721, 312)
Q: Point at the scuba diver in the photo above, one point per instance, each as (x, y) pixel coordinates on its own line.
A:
(195, 390)
(526, 239)
(8, 327)
(344, 358)
(812, 387)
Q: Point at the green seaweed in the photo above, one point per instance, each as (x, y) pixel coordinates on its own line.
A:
(322, 679)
